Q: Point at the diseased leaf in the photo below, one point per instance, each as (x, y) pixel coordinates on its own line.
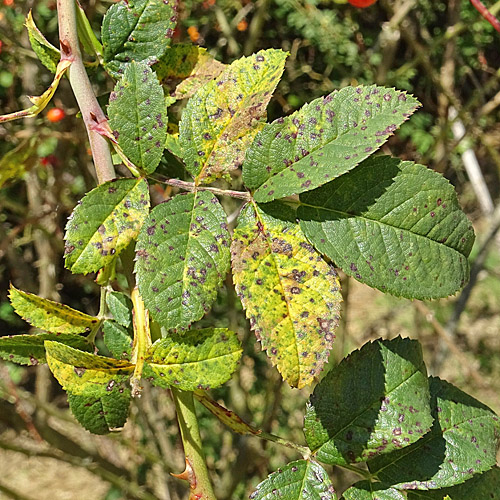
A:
(49, 315)
(138, 116)
(198, 359)
(137, 31)
(117, 339)
(48, 54)
(364, 490)
(17, 161)
(101, 412)
(185, 68)
(222, 118)
(98, 389)
(182, 258)
(120, 307)
(227, 417)
(323, 140)
(30, 350)
(106, 220)
(462, 442)
(300, 480)
(481, 486)
(375, 401)
(394, 225)
(290, 294)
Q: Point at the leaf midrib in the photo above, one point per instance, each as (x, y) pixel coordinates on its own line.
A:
(348, 215)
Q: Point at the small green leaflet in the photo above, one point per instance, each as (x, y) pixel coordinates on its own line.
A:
(48, 54)
(139, 30)
(300, 480)
(185, 68)
(364, 490)
(30, 350)
(98, 388)
(375, 401)
(49, 315)
(182, 258)
(222, 118)
(117, 339)
(323, 140)
(198, 359)
(104, 222)
(394, 225)
(120, 306)
(290, 294)
(138, 116)
(462, 442)
(486, 485)
(100, 412)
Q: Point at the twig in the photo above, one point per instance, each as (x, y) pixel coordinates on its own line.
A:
(190, 186)
(486, 14)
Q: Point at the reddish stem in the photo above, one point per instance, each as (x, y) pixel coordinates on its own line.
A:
(486, 14)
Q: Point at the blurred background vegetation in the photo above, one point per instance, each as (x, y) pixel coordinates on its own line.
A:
(443, 52)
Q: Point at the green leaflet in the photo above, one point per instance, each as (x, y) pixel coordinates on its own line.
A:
(49, 315)
(222, 118)
(462, 442)
(375, 401)
(185, 68)
(30, 350)
(364, 490)
(138, 116)
(87, 38)
(120, 306)
(323, 140)
(198, 359)
(300, 480)
(486, 485)
(290, 294)
(17, 161)
(139, 30)
(394, 225)
(48, 54)
(98, 389)
(106, 220)
(117, 339)
(182, 258)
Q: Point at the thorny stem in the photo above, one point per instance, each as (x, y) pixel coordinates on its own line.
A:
(92, 113)
(196, 470)
(191, 186)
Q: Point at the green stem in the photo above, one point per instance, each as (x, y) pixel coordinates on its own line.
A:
(196, 470)
(142, 341)
(92, 113)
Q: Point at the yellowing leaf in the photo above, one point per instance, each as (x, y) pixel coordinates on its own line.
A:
(104, 223)
(39, 102)
(98, 388)
(49, 315)
(222, 118)
(291, 295)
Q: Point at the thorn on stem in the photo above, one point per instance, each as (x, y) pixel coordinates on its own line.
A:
(187, 475)
(65, 47)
